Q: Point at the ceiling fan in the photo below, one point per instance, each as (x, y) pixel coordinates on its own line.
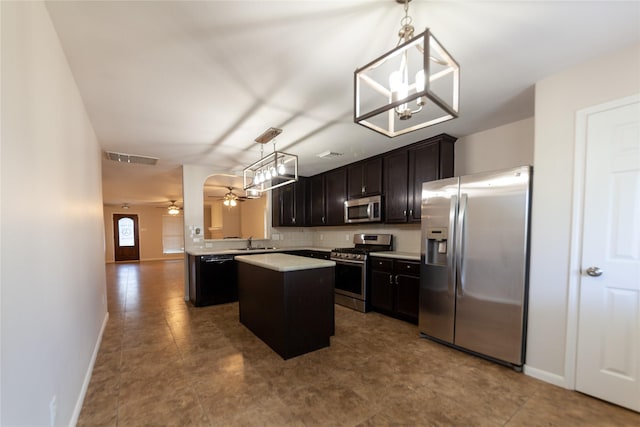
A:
(172, 209)
(231, 199)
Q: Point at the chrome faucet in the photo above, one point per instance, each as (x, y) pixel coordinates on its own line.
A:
(249, 242)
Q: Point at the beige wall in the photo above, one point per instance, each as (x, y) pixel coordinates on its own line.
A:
(558, 98)
(150, 224)
(253, 218)
(51, 227)
(498, 148)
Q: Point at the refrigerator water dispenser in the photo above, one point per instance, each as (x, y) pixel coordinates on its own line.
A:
(437, 245)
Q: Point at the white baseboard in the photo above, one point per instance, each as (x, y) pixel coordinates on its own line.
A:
(87, 375)
(547, 377)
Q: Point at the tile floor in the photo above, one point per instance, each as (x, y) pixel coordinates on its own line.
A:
(165, 363)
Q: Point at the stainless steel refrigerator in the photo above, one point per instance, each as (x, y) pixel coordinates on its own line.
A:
(474, 263)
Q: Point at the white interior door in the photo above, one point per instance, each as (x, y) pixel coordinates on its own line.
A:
(608, 353)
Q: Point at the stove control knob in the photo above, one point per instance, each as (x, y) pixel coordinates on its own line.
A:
(358, 256)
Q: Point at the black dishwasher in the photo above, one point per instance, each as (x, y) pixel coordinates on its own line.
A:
(213, 280)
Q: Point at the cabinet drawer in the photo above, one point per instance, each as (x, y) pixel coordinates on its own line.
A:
(407, 267)
(382, 264)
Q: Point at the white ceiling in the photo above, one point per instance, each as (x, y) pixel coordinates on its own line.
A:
(196, 82)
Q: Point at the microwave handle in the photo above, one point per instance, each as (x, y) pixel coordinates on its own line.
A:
(369, 209)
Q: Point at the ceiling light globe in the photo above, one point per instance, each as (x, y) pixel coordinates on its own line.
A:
(233, 203)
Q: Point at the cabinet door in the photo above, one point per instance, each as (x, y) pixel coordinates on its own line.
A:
(335, 196)
(382, 290)
(365, 179)
(424, 165)
(317, 200)
(300, 216)
(276, 208)
(395, 187)
(407, 296)
(355, 186)
(372, 177)
(287, 205)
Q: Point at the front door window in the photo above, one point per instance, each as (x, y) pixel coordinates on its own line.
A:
(126, 232)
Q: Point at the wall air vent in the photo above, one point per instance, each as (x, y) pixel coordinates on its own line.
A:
(131, 158)
(329, 154)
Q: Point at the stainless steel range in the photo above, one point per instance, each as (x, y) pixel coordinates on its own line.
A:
(352, 266)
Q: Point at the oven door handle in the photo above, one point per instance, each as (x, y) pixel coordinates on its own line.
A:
(344, 261)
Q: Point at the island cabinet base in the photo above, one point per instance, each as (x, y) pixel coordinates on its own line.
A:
(291, 311)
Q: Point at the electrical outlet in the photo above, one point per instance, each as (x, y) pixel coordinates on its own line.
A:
(346, 237)
(53, 409)
(322, 237)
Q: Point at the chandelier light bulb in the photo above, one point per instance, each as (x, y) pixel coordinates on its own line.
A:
(395, 84)
(420, 87)
(267, 174)
(274, 172)
(281, 169)
(420, 81)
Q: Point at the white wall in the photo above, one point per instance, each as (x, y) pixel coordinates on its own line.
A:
(498, 148)
(52, 258)
(558, 98)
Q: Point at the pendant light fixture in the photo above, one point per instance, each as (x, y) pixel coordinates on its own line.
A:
(274, 170)
(412, 86)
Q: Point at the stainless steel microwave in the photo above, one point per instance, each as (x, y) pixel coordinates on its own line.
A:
(367, 209)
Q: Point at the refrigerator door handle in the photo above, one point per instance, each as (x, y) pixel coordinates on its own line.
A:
(460, 244)
(453, 208)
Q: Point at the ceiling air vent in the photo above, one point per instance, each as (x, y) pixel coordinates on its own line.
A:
(131, 158)
(329, 154)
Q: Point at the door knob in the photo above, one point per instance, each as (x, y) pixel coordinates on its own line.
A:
(594, 271)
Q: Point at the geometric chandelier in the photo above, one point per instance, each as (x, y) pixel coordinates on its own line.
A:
(271, 171)
(414, 85)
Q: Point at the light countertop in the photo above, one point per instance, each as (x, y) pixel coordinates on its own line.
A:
(284, 262)
(218, 251)
(413, 256)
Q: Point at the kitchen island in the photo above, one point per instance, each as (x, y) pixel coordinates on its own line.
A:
(287, 301)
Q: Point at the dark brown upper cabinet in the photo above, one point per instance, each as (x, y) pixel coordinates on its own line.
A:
(335, 195)
(365, 178)
(406, 169)
(289, 204)
(396, 176)
(316, 198)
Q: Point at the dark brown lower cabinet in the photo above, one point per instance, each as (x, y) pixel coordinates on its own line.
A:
(395, 287)
(291, 311)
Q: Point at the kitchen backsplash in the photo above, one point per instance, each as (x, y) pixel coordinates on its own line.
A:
(406, 237)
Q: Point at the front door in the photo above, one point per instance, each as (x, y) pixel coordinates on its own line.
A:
(125, 235)
(608, 352)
